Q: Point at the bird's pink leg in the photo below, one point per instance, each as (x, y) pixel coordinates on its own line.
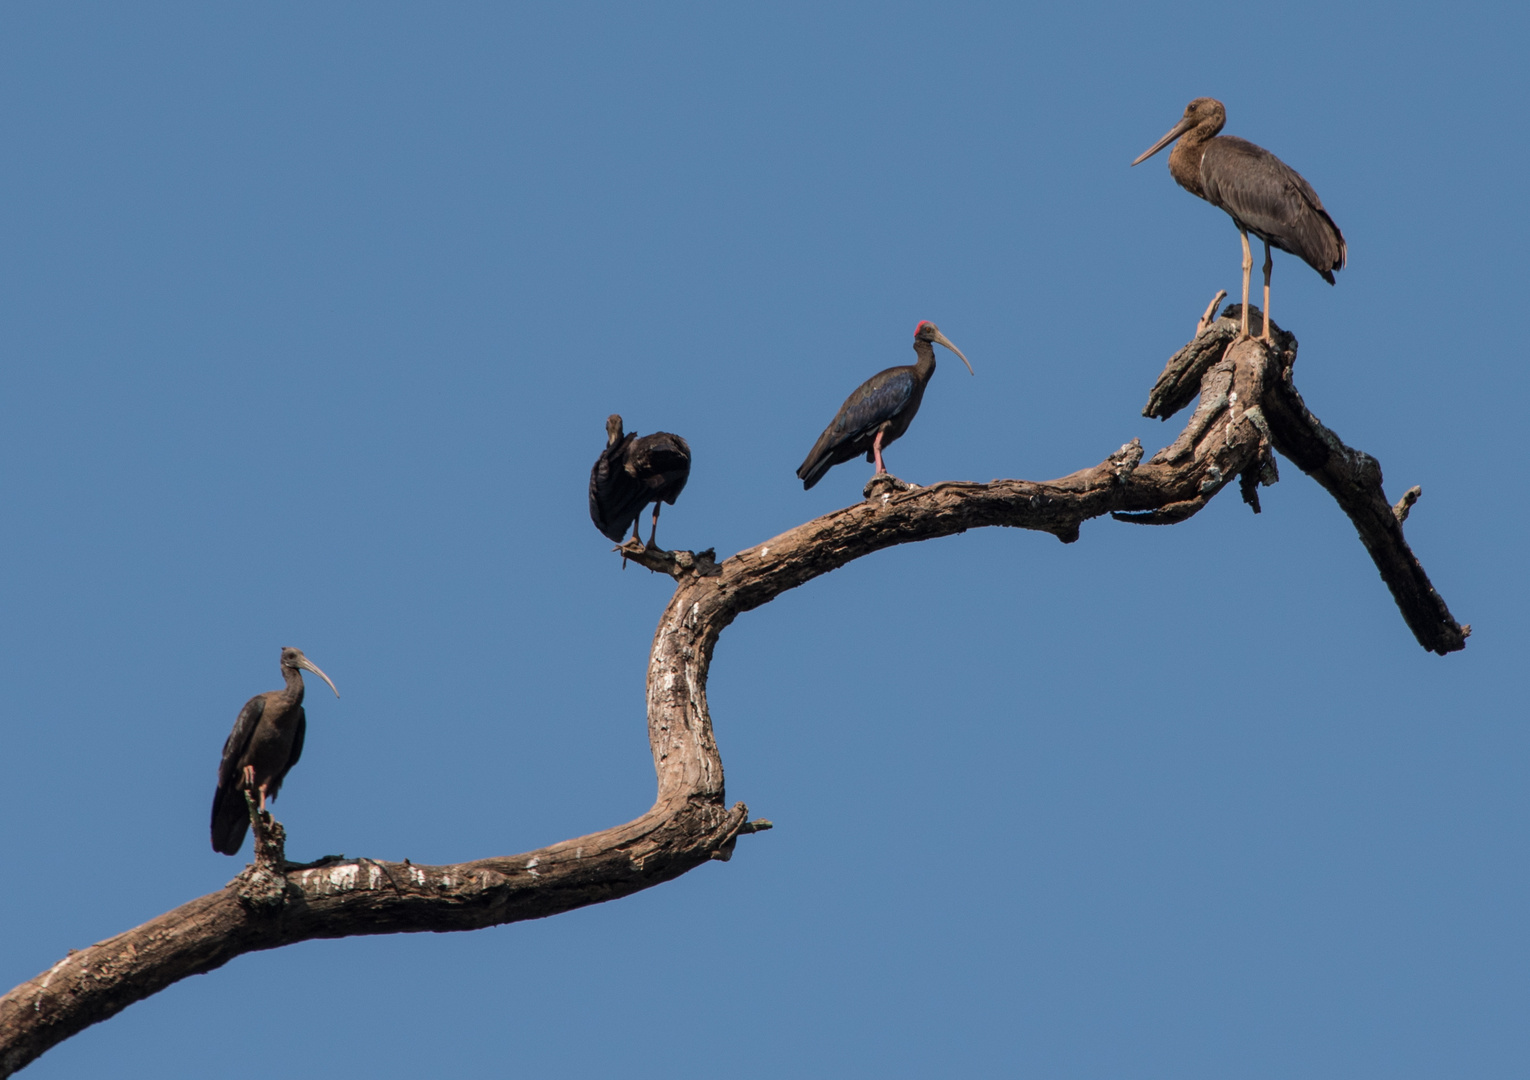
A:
(249, 776)
(876, 450)
(1248, 269)
(262, 798)
(655, 530)
(1268, 264)
(635, 530)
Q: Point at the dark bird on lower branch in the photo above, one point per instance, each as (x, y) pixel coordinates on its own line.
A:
(631, 473)
(879, 411)
(267, 740)
(1261, 193)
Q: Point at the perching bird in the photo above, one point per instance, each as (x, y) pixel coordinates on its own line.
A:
(267, 740)
(1263, 194)
(632, 472)
(878, 412)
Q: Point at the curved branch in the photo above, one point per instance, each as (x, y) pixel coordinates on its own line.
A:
(1247, 405)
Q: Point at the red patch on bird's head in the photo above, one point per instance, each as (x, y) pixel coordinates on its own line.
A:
(922, 324)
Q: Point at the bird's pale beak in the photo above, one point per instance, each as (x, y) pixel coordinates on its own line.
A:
(1175, 132)
(311, 666)
(947, 343)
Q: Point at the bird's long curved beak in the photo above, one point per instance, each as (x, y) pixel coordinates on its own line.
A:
(947, 343)
(311, 666)
(1175, 132)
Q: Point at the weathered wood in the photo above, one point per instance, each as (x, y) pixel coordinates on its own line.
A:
(1247, 405)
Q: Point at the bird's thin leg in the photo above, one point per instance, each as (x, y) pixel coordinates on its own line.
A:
(262, 798)
(635, 526)
(249, 776)
(1268, 264)
(1248, 269)
(876, 450)
(655, 531)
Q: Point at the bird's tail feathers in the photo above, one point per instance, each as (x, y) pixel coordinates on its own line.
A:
(229, 822)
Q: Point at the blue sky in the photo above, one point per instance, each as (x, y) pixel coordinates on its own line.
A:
(312, 315)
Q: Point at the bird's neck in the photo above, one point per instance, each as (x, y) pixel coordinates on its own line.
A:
(1185, 158)
(293, 691)
(925, 367)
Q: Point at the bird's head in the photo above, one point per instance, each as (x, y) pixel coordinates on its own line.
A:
(1204, 113)
(928, 331)
(294, 660)
(613, 430)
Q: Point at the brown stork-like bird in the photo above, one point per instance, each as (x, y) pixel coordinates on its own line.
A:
(1261, 193)
(632, 472)
(267, 740)
(879, 411)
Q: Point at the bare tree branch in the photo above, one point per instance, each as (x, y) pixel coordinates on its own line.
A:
(1247, 406)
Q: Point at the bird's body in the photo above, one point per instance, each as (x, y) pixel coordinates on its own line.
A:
(1262, 194)
(633, 471)
(879, 411)
(266, 742)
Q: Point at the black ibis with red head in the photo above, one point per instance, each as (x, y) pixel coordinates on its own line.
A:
(267, 740)
(632, 472)
(879, 411)
(1261, 193)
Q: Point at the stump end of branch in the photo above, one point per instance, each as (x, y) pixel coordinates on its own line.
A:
(263, 884)
(677, 564)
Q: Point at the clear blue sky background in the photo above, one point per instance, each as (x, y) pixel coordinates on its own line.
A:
(312, 315)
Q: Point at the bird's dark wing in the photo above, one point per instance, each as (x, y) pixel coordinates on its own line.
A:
(297, 740)
(230, 817)
(662, 463)
(239, 740)
(876, 401)
(1273, 201)
(613, 491)
(297, 751)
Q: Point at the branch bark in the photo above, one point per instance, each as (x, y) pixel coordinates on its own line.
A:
(1247, 406)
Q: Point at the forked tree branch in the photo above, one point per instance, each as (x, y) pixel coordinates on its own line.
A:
(1248, 405)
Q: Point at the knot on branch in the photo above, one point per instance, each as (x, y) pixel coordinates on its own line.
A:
(1405, 504)
(1124, 461)
(742, 827)
(883, 486)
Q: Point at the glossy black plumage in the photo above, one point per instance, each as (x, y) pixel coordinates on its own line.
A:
(266, 742)
(630, 473)
(878, 412)
(1262, 194)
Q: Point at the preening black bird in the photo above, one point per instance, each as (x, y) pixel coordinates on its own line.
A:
(267, 740)
(879, 411)
(1263, 194)
(632, 472)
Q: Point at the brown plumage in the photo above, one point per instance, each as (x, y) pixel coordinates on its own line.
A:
(1262, 194)
(267, 740)
(632, 472)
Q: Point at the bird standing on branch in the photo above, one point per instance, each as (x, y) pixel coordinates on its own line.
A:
(267, 740)
(879, 411)
(631, 473)
(1263, 195)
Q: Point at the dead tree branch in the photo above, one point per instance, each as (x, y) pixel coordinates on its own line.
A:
(1247, 407)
